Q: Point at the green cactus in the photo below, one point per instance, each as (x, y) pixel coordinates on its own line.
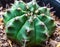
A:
(28, 23)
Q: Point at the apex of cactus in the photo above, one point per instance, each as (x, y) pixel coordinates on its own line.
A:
(28, 24)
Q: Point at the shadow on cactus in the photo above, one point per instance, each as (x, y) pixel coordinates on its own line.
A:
(28, 23)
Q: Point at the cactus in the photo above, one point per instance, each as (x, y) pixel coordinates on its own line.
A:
(28, 23)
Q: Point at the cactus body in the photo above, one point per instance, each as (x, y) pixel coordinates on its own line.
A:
(28, 23)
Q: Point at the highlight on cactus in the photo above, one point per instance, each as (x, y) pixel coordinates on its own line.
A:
(28, 23)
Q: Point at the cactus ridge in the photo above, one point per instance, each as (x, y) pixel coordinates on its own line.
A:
(28, 23)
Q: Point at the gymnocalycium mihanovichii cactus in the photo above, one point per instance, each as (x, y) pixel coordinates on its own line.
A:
(28, 23)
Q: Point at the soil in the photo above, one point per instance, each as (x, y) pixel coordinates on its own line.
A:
(53, 41)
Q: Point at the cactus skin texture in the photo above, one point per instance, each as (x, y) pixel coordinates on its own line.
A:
(28, 23)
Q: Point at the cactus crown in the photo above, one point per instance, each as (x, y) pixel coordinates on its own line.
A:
(28, 23)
